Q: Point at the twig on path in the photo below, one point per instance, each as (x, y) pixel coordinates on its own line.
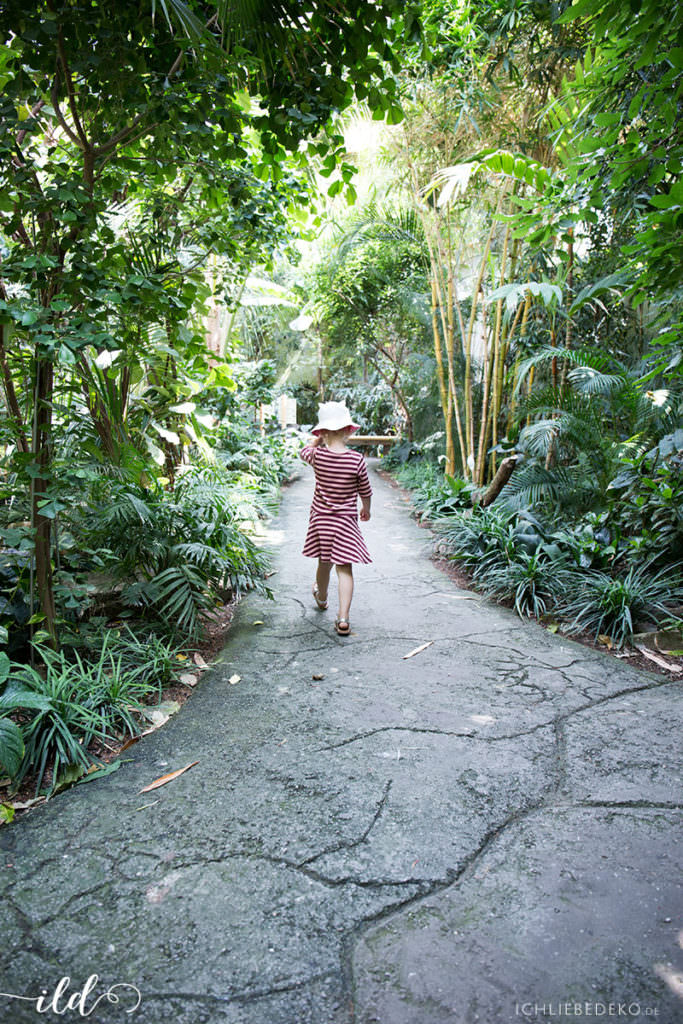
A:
(418, 650)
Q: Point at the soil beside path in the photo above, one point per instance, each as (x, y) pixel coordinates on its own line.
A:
(484, 832)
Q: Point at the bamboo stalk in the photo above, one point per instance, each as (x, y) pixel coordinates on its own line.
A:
(569, 293)
(450, 342)
(532, 374)
(497, 362)
(524, 310)
(469, 409)
(441, 378)
(486, 387)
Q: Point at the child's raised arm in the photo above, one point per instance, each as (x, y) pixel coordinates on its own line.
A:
(306, 452)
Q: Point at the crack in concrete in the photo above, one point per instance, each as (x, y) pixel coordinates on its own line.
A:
(59, 913)
(304, 866)
(364, 835)
(646, 805)
(353, 937)
(560, 718)
(359, 737)
(243, 996)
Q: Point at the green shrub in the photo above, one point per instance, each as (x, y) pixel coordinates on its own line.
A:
(178, 555)
(73, 701)
(533, 583)
(646, 499)
(609, 605)
(433, 494)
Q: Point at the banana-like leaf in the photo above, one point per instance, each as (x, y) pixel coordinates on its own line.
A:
(549, 294)
(453, 181)
(11, 746)
(609, 283)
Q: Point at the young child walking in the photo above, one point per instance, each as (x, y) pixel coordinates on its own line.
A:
(334, 537)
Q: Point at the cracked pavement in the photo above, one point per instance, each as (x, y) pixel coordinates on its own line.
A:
(487, 831)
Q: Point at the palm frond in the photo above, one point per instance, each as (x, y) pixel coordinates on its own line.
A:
(534, 485)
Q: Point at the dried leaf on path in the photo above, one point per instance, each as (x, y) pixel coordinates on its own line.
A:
(199, 662)
(160, 714)
(189, 679)
(418, 650)
(317, 675)
(134, 739)
(24, 804)
(657, 660)
(98, 771)
(234, 680)
(168, 778)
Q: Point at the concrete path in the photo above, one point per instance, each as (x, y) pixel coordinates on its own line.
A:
(485, 832)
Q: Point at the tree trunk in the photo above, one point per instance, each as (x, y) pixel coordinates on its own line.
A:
(446, 405)
(505, 471)
(42, 424)
(11, 396)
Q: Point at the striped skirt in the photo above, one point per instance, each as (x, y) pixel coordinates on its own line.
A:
(335, 538)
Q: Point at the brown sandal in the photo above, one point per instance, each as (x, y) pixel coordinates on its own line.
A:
(322, 605)
(342, 627)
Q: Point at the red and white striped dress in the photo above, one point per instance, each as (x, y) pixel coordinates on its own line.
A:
(333, 531)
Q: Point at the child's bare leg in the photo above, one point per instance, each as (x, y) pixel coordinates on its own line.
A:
(322, 578)
(345, 577)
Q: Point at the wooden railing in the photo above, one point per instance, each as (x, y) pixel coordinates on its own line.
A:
(369, 440)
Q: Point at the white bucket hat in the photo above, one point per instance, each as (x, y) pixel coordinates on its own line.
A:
(333, 416)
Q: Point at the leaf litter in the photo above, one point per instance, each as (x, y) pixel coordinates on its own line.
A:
(163, 779)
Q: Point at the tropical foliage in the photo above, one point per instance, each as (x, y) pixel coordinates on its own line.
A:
(463, 219)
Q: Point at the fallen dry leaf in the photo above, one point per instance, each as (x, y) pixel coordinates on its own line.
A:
(22, 805)
(160, 714)
(199, 662)
(234, 680)
(317, 675)
(258, 622)
(131, 741)
(658, 661)
(168, 778)
(188, 679)
(422, 647)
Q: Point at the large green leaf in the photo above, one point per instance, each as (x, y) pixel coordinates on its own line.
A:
(11, 746)
(549, 294)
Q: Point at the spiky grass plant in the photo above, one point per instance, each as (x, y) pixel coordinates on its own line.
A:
(605, 605)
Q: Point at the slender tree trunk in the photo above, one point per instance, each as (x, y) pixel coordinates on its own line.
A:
(42, 427)
(550, 457)
(478, 475)
(568, 301)
(469, 468)
(498, 360)
(11, 396)
(530, 384)
(522, 333)
(444, 393)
